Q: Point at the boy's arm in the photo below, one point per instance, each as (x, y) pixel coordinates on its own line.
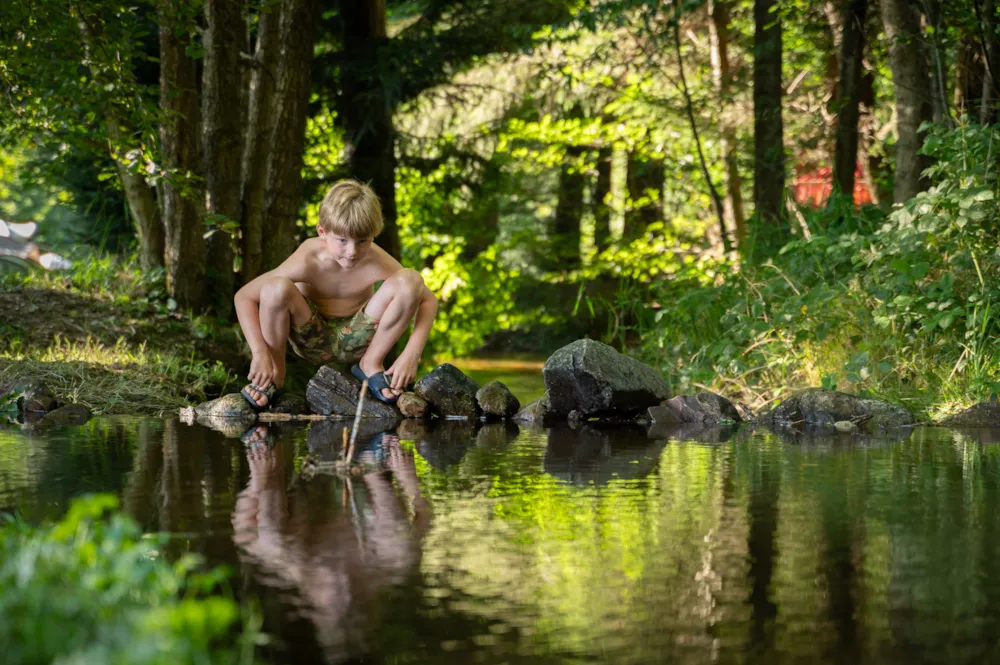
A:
(404, 370)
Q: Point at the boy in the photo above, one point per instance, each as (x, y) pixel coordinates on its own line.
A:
(322, 301)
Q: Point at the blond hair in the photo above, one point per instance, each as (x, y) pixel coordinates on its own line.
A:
(351, 209)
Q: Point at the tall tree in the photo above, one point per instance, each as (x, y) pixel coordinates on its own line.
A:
(852, 44)
(771, 230)
(644, 182)
(257, 140)
(722, 76)
(910, 80)
(367, 110)
(569, 211)
(991, 57)
(222, 138)
(185, 252)
(293, 76)
(599, 201)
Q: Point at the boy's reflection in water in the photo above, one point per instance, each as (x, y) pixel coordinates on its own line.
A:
(333, 543)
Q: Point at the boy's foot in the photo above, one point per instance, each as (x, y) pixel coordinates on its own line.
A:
(378, 383)
(260, 399)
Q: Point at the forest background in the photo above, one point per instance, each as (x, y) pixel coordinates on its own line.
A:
(753, 196)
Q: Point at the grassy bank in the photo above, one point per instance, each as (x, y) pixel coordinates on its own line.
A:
(106, 335)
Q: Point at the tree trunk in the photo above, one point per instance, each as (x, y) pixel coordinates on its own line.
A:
(565, 241)
(366, 111)
(141, 201)
(257, 146)
(222, 140)
(939, 69)
(600, 202)
(644, 181)
(970, 74)
(991, 79)
(718, 29)
(185, 252)
(297, 35)
(769, 154)
(852, 46)
(901, 19)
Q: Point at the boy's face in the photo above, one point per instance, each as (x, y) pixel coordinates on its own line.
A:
(345, 251)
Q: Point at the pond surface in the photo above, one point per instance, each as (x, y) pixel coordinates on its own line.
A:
(489, 544)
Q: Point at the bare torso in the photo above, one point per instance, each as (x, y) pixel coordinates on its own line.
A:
(337, 291)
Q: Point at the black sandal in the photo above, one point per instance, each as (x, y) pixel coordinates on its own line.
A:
(376, 384)
(272, 393)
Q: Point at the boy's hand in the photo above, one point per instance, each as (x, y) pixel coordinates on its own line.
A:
(403, 371)
(262, 370)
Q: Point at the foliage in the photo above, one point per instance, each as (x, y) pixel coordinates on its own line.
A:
(906, 310)
(94, 589)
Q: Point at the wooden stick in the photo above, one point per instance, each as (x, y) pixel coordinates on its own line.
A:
(343, 448)
(357, 420)
(283, 417)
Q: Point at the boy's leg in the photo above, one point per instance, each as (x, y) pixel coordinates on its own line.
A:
(394, 305)
(281, 305)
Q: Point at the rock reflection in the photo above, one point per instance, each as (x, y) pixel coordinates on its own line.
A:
(692, 432)
(332, 545)
(826, 438)
(595, 453)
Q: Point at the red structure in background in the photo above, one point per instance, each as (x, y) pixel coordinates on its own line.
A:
(813, 187)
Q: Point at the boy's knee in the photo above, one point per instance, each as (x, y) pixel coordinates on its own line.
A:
(409, 282)
(277, 290)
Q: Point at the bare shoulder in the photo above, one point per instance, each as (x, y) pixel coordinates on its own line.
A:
(385, 264)
(303, 261)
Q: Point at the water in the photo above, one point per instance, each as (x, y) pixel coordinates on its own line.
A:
(498, 545)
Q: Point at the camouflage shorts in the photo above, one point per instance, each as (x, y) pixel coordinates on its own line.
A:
(322, 340)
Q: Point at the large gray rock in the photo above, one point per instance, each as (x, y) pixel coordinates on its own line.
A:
(817, 406)
(701, 408)
(69, 414)
(449, 392)
(535, 413)
(495, 399)
(594, 379)
(984, 414)
(331, 392)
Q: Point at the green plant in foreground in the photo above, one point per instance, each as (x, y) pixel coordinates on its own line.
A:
(94, 589)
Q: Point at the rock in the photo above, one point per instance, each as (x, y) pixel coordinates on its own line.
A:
(495, 399)
(984, 414)
(701, 408)
(33, 396)
(594, 379)
(332, 392)
(449, 392)
(69, 414)
(291, 404)
(412, 405)
(535, 413)
(845, 427)
(233, 405)
(817, 406)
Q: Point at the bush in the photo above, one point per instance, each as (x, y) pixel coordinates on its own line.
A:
(904, 306)
(91, 589)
